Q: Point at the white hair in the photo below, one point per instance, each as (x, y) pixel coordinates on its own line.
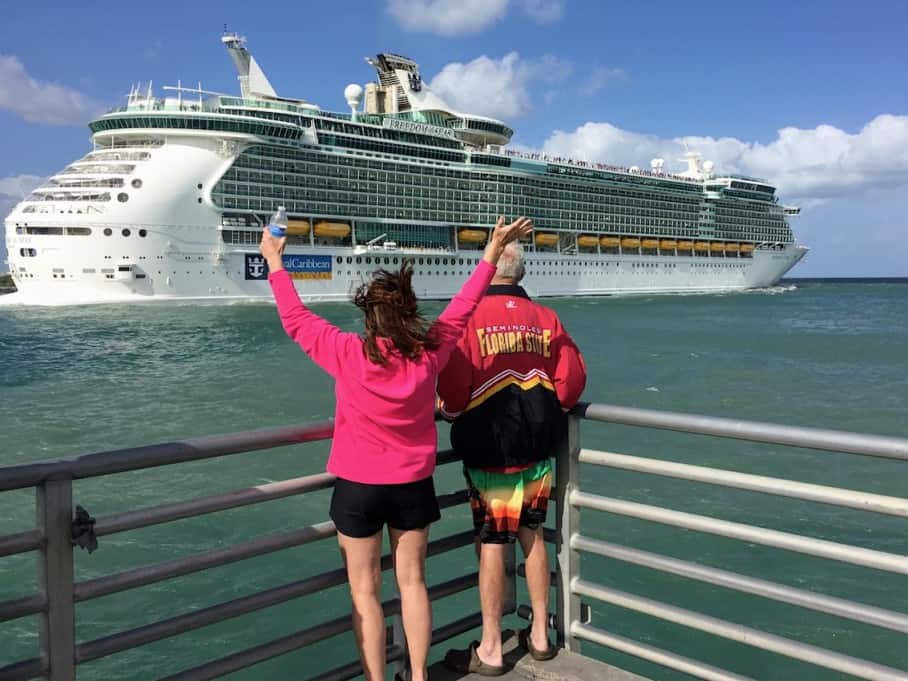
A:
(510, 264)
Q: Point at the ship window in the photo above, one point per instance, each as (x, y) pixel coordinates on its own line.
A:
(349, 260)
(125, 232)
(137, 183)
(122, 197)
(339, 260)
(358, 260)
(143, 233)
(78, 231)
(368, 261)
(108, 231)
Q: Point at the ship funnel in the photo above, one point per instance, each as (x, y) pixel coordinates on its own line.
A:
(253, 82)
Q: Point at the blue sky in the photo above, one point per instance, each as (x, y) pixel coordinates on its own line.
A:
(811, 95)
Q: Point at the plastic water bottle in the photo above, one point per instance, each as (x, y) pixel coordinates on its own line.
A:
(278, 224)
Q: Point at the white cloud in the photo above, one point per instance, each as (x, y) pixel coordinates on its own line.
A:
(463, 17)
(600, 77)
(447, 17)
(544, 11)
(499, 88)
(817, 163)
(41, 102)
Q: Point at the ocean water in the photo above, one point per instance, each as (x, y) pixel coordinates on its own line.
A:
(824, 354)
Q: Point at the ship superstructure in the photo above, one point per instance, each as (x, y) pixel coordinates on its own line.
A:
(170, 202)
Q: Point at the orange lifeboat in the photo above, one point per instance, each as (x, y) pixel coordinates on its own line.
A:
(587, 241)
(546, 239)
(668, 244)
(332, 230)
(747, 248)
(716, 247)
(650, 243)
(609, 242)
(472, 236)
(701, 247)
(630, 242)
(685, 245)
(732, 248)
(297, 227)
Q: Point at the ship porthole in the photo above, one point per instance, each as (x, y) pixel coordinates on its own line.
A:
(125, 232)
(137, 183)
(122, 197)
(143, 233)
(108, 231)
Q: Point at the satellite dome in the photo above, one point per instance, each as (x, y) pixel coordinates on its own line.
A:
(708, 166)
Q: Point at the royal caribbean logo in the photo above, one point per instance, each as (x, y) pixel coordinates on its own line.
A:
(256, 267)
(299, 266)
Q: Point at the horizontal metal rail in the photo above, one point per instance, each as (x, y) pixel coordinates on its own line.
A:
(287, 644)
(178, 567)
(179, 510)
(25, 669)
(836, 496)
(180, 624)
(163, 454)
(840, 607)
(652, 654)
(20, 607)
(149, 574)
(755, 431)
(862, 669)
(21, 542)
(891, 562)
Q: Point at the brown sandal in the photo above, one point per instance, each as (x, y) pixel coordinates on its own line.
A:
(468, 662)
(538, 655)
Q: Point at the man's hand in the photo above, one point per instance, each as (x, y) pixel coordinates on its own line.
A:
(504, 234)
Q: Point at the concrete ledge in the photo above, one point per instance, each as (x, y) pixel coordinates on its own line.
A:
(566, 666)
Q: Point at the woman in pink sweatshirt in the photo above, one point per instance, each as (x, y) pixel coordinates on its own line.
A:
(385, 442)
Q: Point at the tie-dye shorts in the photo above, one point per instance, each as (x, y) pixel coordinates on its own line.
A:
(504, 502)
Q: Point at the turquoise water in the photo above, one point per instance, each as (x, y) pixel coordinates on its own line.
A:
(816, 354)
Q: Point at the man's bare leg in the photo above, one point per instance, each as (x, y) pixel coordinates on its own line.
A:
(538, 583)
(491, 597)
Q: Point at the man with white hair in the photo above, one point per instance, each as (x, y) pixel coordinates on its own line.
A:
(506, 386)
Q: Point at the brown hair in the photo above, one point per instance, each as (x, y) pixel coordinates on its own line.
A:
(389, 304)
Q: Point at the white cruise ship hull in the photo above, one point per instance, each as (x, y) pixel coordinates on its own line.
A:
(164, 243)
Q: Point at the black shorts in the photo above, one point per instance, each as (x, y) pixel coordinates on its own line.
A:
(361, 510)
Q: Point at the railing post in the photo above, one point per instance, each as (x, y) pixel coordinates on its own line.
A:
(55, 578)
(567, 479)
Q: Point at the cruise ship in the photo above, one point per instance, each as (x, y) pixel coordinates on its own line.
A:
(170, 202)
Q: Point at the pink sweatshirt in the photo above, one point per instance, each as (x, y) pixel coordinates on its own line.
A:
(384, 427)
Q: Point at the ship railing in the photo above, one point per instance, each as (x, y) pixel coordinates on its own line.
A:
(58, 527)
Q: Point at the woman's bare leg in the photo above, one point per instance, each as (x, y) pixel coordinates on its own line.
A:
(362, 556)
(408, 547)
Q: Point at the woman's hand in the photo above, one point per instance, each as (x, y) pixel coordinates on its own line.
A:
(272, 247)
(503, 234)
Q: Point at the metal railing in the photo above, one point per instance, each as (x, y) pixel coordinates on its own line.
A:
(572, 618)
(59, 591)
